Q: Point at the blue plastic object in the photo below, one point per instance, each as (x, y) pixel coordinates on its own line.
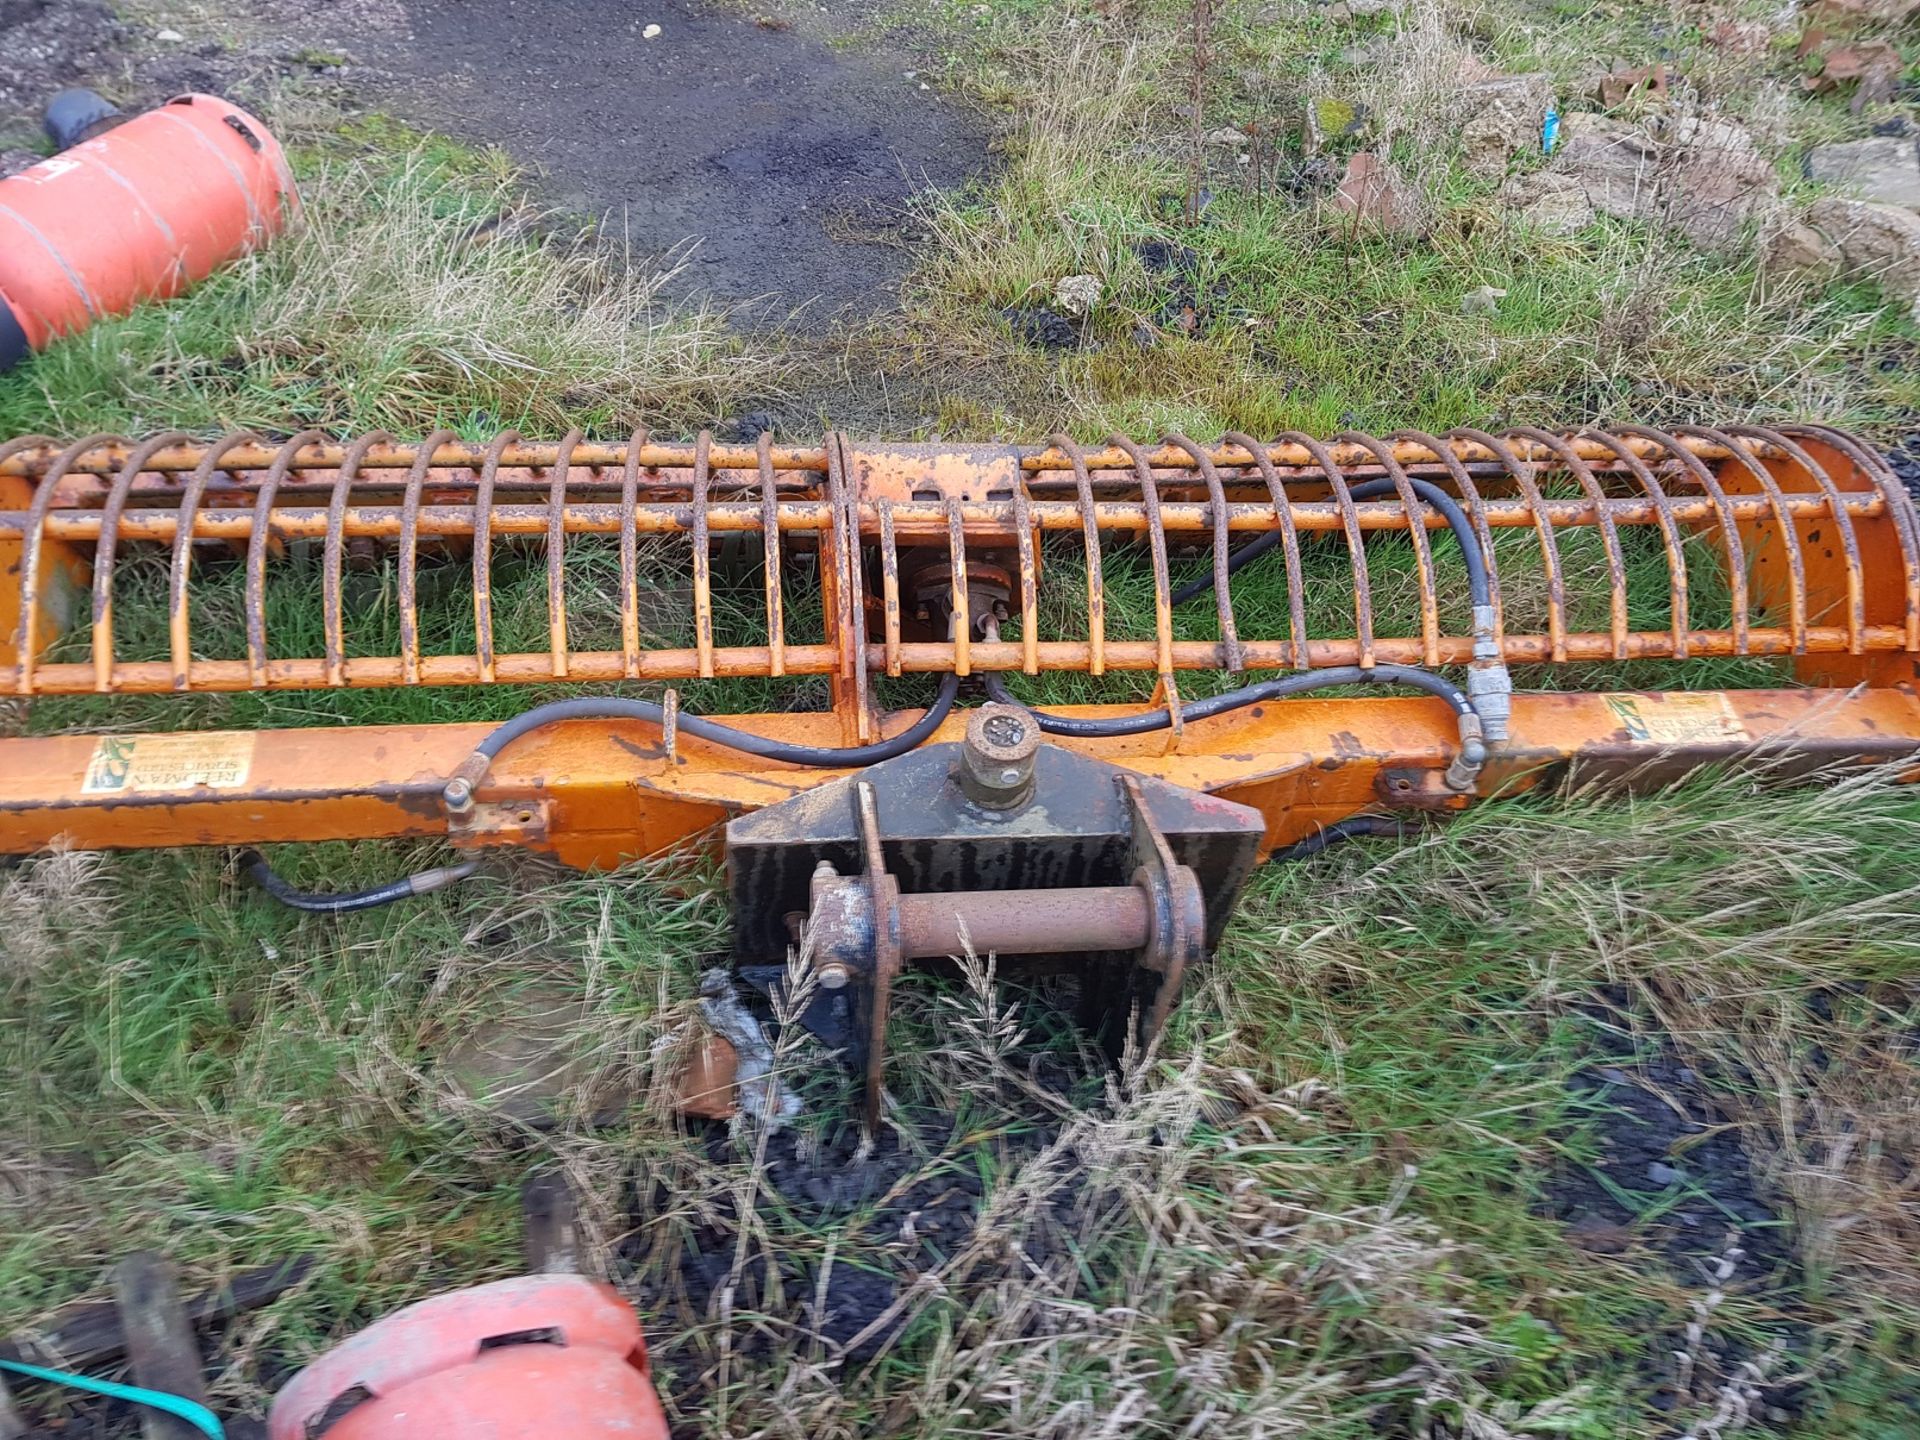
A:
(196, 1415)
(73, 115)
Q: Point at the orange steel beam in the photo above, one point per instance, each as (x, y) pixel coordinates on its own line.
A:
(107, 456)
(157, 677)
(592, 793)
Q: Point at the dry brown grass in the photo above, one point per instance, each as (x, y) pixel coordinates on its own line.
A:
(54, 907)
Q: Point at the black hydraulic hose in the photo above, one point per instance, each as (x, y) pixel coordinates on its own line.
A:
(1275, 689)
(1477, 582)
(254, 866)
(1354, 827)
(459, 789)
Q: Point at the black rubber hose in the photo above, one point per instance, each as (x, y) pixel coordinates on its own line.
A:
(254, 866)
(614, 708)
(1275, 689)
(1355, 827)
(1477, 582)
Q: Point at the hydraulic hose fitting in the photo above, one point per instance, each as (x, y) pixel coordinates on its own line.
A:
(1464, 773)
(1489, 685)
(457, 793)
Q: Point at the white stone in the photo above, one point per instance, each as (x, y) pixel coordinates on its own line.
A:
(1077, 294)
(1884, 169)
(1881, 242)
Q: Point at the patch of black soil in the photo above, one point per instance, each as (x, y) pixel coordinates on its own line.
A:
(770, 151)
(1673, 1187)
(1185, 304)
(878, 1220)
(899, 1212)
(1042, 328)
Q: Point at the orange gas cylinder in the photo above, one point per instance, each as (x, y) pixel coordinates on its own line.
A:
(138, 213)
(542, 1356)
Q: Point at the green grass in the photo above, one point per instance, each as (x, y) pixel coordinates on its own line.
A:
(1320, 1209)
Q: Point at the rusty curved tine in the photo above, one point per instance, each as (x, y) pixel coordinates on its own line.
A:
(1417, 531)
(1029, 579)
(1476, 507)
(834, 579)
(257, 542)
(1836, 515)
(179, 620)
(630, 556)
(1289, 541)
(331, 624)
(483, 550)
(856, 587)
(1603, 518)
(103, 551)
(702, 555)
(1783, 522)
(1678, 587)
(1723, 514)
(1899, 510)
(1090, 532)
(770, 554)
(1521, 473)
(32, 540)
(889, 586)
(957, 582)
(1157, 548)
(557, 553)
(1356, 545)
(1222, 576)
(410, 554)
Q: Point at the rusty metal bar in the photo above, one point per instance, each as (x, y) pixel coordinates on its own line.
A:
(1289, 546)
(1463, 481)
(960, 605)
(630, 558)
(34, 539)
(332, 622)
(1043, 922)
(482, 530)
(1090, 531)
(156, 677)
(105, 455)
(180, 635)
(1314, 517)
(1577, 466)
(258, 543)
(1520, 470)
(770, 557)
(1906, 523)
(1422, 551)
(1222, 589)
(409, 586)
(103, 555)
(1356, 550)
(557, 556)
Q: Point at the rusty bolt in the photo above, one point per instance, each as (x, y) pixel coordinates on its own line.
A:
(996, 761)
(833, 975)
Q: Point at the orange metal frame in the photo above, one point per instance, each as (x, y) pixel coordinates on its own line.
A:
(1820, 546)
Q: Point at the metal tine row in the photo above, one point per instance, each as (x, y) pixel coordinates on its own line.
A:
(261, 539)
(1670, 456)
(1658, 461)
